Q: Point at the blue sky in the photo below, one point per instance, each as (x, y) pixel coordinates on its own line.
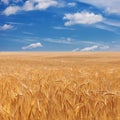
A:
(59, 25)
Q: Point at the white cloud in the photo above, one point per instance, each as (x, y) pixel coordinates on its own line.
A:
(109, 25)
(113, 10)
(11, 10)
(107, 28)
(104, 47)
(75, 50)
(71, 4)
(62, 28)
(44, 4)
(38, 4)
(30, 5)
(60, 41)
(6, 27)
(5, 1)
(16, 23)
(31, 46)
(91, 48)
(28, 33)
(16, 1)
(82, 18)
(87, 42)
(99, 47)
(112, 23)
(70, 41)
(110, 6)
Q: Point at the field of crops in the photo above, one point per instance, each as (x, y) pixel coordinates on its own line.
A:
(60, 86)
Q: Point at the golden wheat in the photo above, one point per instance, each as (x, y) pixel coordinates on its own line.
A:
(59, 86)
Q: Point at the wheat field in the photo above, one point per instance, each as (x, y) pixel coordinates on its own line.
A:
(59, 86)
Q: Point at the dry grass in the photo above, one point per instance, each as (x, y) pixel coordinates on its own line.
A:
(59, 86)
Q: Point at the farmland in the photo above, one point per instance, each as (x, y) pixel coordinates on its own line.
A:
(60, 86)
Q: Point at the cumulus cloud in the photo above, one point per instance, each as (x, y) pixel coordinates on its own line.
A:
(82, 18)
(31, 46)
(38, 4)
(44, 4)
(91, 48)
(11, 10)
(6, 27)
(110, 6)
(30, 5)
